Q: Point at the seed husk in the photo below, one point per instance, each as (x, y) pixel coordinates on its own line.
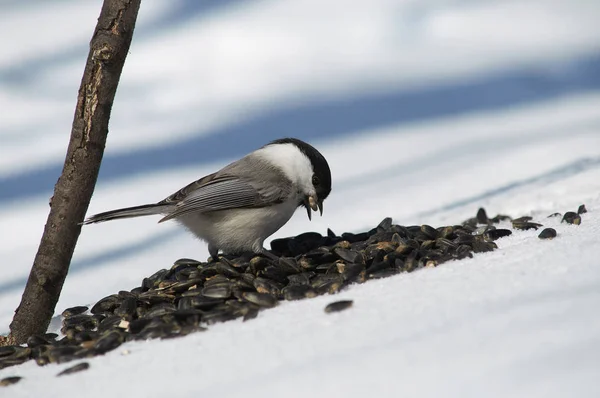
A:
(74, 311)
(109, 342)
(7, 381)
(260, 299)
(571, 217)
(74, 369)
(348, 255)
(218, 291)
(496, 234)
(338, 306)
(547, 233)
(127, 308)
(107, 304)
(525, 225)
(298, 292)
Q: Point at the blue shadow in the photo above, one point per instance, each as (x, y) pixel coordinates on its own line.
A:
(121, 253)
(179, 11)
(335, 119)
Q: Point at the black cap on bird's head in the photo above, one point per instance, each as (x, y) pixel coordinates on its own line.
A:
(321, 178)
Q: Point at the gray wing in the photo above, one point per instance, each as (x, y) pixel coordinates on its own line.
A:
(221, 191)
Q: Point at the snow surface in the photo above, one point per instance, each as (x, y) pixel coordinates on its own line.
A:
(426, 110)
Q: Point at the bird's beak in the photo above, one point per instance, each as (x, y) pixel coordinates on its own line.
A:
(311, 202)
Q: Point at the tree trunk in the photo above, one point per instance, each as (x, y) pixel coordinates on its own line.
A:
(73, 191)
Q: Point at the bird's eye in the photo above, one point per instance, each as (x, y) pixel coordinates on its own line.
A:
(315, 180)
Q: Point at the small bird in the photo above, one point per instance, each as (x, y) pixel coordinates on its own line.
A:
(235, 209)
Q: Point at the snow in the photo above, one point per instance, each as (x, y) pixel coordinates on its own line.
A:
(426, 111)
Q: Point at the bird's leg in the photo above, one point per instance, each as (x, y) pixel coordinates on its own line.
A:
(214, 252)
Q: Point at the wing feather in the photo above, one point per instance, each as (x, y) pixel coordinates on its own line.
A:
(232, 187)
(222, 193)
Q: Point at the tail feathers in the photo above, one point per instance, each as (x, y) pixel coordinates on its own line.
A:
(129, 212)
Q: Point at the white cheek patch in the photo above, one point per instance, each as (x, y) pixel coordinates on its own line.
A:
(295, 165)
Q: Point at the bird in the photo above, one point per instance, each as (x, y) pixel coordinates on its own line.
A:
(238, 207)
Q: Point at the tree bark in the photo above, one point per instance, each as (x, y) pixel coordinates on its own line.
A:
(72, 193)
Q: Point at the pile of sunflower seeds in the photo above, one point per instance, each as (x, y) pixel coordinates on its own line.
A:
(192, 295)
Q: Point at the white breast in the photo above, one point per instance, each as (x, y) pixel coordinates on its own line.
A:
(239, 230)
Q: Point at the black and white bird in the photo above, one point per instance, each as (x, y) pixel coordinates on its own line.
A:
(235, 209)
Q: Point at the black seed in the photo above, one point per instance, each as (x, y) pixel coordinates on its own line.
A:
(482, 247)
(274, 273)
(383, 273)
(482, 217)
(350, 256)
(109, 342)
(107, 304)
(61, 354)
(385, 224)
(74, 311)
(74, 369)
(463, 237)
(338, 306)
(327, 283)
(547, 233)
(138, 325)
(571, 217)
(80, 322)
(85, 336)
(184, 303)
(251, 314)
(430, 232)
(227, 270)
(298, 292)
(219, 291)
(377, 266)
(109, 323)
(127, 308)
(154, 297)
(300, 279)
(7, 350)
(445, 243)
(7, 381)
(154, 279)
(268, 286)
(260, 299)
(220, 316)
(186, 262)
(495, 234)
(499, 218)
(581, 209)
(205, 303)
(160, 310)
(288, 266)
(188, 317)
(525, 225)
(35, 341)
